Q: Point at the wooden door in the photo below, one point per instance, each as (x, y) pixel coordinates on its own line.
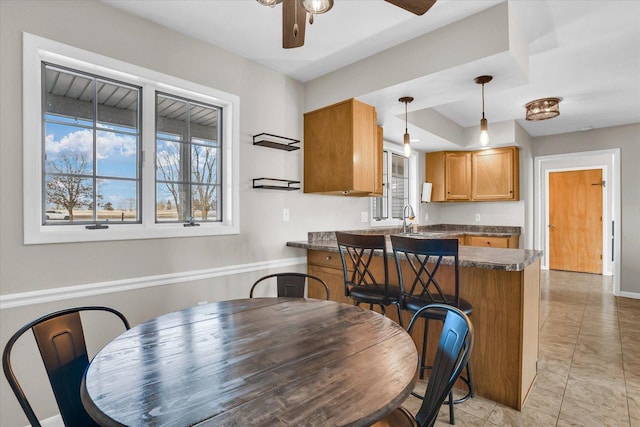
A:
(575, 221)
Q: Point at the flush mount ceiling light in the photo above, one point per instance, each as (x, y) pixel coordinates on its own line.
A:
(407, 138)
(543, 109)
(294, 13)
(484, 129)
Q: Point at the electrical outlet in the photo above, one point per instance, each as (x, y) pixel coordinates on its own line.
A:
(285, 214)
(364, 216)
(477, 217)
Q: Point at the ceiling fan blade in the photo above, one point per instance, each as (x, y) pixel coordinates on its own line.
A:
(419, 7)
(293, 13)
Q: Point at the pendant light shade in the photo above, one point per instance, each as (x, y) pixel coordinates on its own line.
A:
(407, 138)
(484, 128)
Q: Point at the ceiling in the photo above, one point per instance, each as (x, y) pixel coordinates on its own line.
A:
(586, 52)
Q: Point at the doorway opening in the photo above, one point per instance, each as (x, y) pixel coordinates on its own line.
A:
(606, 161)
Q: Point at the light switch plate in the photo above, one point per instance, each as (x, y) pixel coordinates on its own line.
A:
(477, 217)
(364, 216)
(285, 214)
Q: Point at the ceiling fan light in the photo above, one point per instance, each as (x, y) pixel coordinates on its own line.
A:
(270, 3)
(316, 7)
(543, 109)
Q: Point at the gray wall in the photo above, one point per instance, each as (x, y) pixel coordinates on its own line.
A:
(627, 139)
(270, 102)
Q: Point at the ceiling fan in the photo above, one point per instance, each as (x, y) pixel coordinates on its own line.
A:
(294, 15)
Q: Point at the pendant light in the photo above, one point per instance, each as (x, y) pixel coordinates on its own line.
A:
(484, 129)
(407, 138)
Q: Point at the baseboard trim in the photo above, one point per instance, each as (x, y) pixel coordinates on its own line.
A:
(22, 299)
(633, 295)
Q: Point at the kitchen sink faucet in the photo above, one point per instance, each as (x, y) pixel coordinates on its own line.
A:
(411, 215)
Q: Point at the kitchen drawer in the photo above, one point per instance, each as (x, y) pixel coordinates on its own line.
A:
(488, 242)
(324, 259)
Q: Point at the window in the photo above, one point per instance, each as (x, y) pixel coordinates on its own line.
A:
(399, 179)
(113, 151)
(187, 160)
(91, 147)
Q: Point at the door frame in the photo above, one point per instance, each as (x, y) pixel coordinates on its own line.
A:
(609, 162)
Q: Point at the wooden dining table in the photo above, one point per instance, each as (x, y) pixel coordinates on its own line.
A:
(253, 362)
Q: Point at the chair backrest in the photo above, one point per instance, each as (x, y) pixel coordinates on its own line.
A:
(424, 257)
(292, 285)
(452, 355)
(357, 253)
(60, 339)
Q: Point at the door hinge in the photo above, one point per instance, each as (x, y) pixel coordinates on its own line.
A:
(600, 256)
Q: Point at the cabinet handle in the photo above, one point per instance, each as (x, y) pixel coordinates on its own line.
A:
(488, 243)
(328, 257)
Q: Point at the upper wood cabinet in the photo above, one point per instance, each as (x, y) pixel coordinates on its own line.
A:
(450, 174)
(495, 174)
(484, 175)
(343, 150)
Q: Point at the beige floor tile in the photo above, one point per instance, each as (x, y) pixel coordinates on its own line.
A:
(478, 407)
(635, 422)
(544, 401)
(599, 391)
(633, 400)
(551, 382)
(554, 363)
(504, 416)
(587, 414)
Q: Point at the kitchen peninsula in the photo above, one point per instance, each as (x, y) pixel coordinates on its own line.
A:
(501, 283)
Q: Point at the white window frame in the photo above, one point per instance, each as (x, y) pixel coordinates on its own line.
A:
(37, 49)
(413, 195)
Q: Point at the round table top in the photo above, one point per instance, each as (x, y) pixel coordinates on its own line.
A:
(252, 362)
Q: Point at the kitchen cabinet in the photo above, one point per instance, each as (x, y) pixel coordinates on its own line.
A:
(495, 174)
(450, 175)
(343, 150)
(511, 242)
(504, 364)
(484, 175)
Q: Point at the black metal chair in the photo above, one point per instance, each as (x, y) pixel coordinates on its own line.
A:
(361, 282)
(420, 287)
(452, 355)
(60, 339)
(292, 285)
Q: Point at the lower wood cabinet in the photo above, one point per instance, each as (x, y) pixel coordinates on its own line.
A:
(493, 242)
(506, 307)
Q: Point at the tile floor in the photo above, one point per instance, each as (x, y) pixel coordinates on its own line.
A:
(589, 367)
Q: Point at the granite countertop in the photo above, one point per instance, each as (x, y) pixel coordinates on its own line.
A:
(469, 256)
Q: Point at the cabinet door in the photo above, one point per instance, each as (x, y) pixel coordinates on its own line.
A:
(495, 174)
(488, 242)
(341, 149)
(458, 176)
